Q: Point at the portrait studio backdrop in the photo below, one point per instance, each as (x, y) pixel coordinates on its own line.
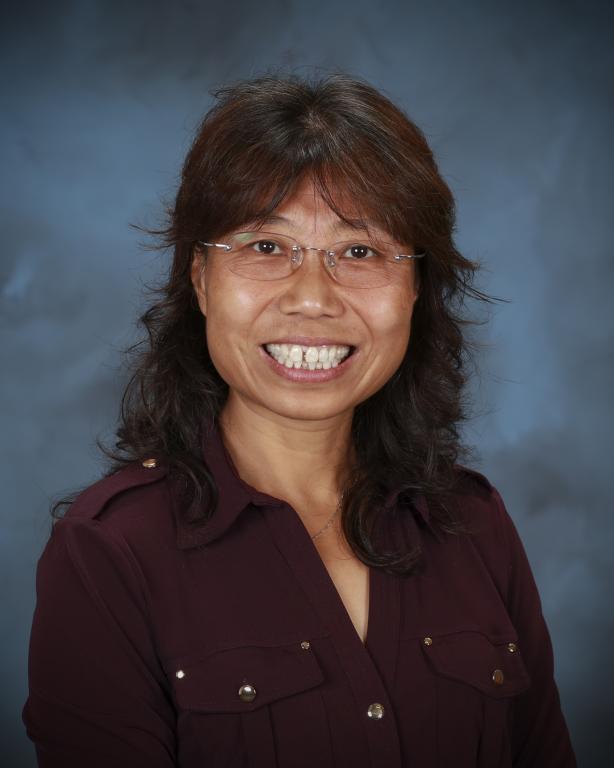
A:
(99, 101)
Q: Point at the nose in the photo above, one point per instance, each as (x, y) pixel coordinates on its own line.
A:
(320, 259)
(312, 290)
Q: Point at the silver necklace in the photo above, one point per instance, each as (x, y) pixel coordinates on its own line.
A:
(332, 517)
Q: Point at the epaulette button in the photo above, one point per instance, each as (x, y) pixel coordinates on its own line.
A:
(150, 463)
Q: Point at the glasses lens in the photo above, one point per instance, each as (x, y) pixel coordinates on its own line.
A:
(260, 255)
(268, 256)
(365, 264)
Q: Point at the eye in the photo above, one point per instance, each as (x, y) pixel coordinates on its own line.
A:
(251, 244)
(265, 246)
(358, 251)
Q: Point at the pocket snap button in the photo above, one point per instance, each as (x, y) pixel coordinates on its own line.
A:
(375, 711)
(498, 677)
(512, 647)
(428, 641)
(247, 692)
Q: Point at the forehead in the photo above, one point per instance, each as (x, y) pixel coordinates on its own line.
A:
(306, 207)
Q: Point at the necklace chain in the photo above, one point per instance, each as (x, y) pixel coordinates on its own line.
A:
(330, 520)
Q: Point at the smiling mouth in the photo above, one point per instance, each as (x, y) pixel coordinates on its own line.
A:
(309, 358)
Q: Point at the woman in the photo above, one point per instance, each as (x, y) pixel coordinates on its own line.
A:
(286, 564)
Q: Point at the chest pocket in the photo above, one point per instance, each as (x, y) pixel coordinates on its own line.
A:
(476, 679)
(472, 658)
(255, 705)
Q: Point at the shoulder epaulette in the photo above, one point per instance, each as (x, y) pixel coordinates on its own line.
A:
(93, 500)
(482, 479)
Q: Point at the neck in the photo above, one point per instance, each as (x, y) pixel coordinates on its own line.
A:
(300, 461)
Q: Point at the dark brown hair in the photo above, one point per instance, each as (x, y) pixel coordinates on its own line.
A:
(259, 140)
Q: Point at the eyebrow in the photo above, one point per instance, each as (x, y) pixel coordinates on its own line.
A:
(351, 224)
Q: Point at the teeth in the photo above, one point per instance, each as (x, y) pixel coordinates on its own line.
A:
(296, 354)
(308, 358)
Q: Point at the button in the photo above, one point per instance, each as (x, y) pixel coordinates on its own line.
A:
(512, 647)
(247, 692)
(428, 641)
(150, 463)
(180, 673)
(375, 711)
(305, 645)
(498, 677)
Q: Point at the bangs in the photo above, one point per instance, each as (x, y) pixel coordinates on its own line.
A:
(367, 162)
(360, 202)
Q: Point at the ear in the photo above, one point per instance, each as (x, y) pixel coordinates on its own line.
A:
(197, 276)
(417, 283)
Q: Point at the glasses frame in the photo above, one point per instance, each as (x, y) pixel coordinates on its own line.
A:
(298, 253)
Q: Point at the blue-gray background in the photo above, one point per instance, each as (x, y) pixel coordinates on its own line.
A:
(98, 104)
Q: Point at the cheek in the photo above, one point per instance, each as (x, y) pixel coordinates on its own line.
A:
(390, 318)
(229, 301)
(390, 324)
(233, 308)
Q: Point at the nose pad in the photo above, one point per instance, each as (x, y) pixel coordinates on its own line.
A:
(329, 258)
(297, 257)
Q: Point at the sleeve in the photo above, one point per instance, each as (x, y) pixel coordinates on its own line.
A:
(97, 693)
(539, 733)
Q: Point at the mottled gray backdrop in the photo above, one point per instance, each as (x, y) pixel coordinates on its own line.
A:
(98, 102)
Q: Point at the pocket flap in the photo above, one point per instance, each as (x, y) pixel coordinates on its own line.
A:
(219, 682)
(494, 668)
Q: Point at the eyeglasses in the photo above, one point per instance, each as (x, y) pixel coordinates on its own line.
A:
(352, 263)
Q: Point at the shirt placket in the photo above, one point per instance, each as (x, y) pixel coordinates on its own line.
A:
(369, 668)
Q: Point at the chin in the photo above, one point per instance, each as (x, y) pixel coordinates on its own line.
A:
(297, 407)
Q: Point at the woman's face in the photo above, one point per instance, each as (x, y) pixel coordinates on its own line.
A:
(243, 315)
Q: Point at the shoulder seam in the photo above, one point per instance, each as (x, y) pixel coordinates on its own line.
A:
(92, 500)
(503, 513)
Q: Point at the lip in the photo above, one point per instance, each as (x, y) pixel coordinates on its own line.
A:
(300, 375)
(309, 341)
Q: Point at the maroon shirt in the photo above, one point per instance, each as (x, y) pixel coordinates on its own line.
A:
(156, 645)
